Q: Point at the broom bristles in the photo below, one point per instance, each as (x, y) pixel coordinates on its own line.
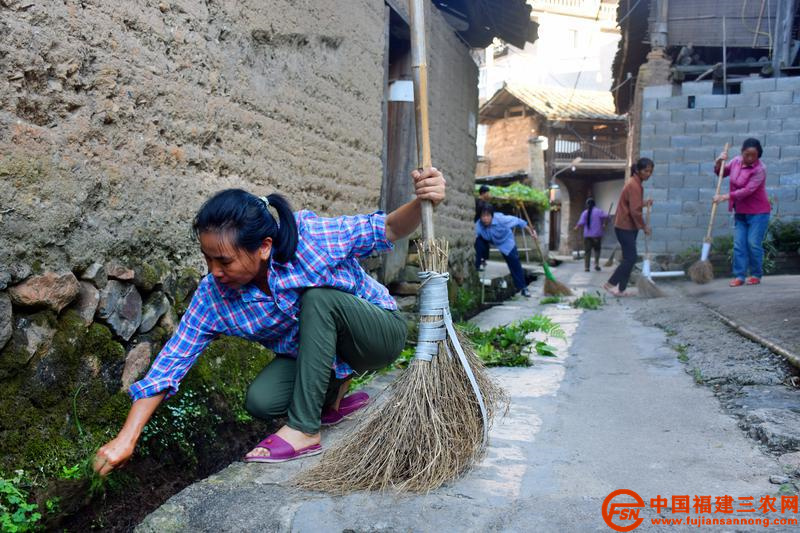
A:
(701, 271)
(648, 289)
(610, 261)
(552, 287)
(428, 431)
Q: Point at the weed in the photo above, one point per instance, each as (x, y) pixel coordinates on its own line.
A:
(698, 376)
(682, 350)
(550, 300)
(16, 513)
(590, 301)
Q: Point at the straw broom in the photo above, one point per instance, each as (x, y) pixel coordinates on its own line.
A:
(702, 271)
(610, 261)
(434, 424)
(647, 288)
(552, 287)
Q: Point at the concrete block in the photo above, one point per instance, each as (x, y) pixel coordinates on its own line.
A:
(717, 140)
(658, 220)
(646, 153)
(776, 98)
(702, 127)
(658, 194)
(683, 168)
(782, 167)
(658, 247)
(650, 104)
(670, 128)
(687, 115)
(697, 87)
(788, 83)
(790, 180)
(682, 221)
(702, 155)
(771, 153)
(683, 194)
(648, 129)
(653, 117)
(707, 193)
(790, 152)
(790, 209)
(658, 91)
(694, 208)
(673, 102)
(651, 142)
(667, 207)
(796, 98)
(750, 113)
(743, 100)
(684, 141)
(765, 125)
(710, 100)
(784, 139)
(758, 85)
(700, 180)
(696, 234)
(788, 112)
(782, 194)
(669, 233)
(671, 180)
(663, 155)
(733, 127)
(718, 113)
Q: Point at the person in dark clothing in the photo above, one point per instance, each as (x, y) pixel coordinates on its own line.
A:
(481, 244)
(628, 222)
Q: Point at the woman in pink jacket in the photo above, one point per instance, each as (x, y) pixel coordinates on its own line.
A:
(748, 199)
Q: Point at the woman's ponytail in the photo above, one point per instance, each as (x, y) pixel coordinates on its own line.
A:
(284, 244)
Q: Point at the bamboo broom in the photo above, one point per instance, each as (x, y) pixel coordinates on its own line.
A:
(434, 424)
(702, 271)
(647, 288)
(552, 287)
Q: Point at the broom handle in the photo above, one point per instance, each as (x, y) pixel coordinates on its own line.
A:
(419, 67)
(646, 236)
(714, 204)
(528, 218)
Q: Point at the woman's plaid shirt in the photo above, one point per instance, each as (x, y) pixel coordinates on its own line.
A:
(327, 256)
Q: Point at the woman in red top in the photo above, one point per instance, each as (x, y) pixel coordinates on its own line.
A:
(627, 224)
(748, 199)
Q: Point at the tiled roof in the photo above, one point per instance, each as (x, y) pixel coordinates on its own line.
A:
(552, 102)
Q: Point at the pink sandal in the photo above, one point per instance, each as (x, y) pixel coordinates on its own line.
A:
(281, 451)
(349, 405)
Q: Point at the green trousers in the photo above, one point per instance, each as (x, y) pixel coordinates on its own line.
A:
(332, 323)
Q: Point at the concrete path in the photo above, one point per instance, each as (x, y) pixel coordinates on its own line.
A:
(614, 410)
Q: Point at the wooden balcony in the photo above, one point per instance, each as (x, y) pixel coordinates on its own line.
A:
(600, 153)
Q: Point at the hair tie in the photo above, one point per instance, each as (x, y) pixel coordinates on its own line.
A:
(265, 200)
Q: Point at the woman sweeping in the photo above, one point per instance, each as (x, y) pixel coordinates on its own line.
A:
(628, 222)
(295, 286)
(748, 199)
(593, 221)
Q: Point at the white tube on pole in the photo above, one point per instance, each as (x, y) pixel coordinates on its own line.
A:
(706, 251)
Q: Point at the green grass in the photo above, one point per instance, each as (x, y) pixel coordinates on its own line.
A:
(551, 300)
(682, 350)
(589, 301)
(698, 376)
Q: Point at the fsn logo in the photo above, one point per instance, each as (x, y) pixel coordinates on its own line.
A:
(623, 516)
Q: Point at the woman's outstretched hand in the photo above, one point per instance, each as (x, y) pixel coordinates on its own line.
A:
(429, 184)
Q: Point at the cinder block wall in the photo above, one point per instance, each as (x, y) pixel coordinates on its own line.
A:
(683, 141)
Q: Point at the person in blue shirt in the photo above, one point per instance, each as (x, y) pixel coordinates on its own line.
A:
(498, 229)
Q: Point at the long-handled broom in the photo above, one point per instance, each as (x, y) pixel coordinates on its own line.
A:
(434, 424)
(647, 288)
(702, 271)
(552, 287)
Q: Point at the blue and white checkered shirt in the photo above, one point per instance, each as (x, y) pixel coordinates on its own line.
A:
(327, 256)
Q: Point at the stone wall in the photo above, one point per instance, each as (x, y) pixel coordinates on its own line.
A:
(684, 140)
(118, 119)
(507, 144)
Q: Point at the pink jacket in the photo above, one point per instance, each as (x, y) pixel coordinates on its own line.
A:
(748, 187)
